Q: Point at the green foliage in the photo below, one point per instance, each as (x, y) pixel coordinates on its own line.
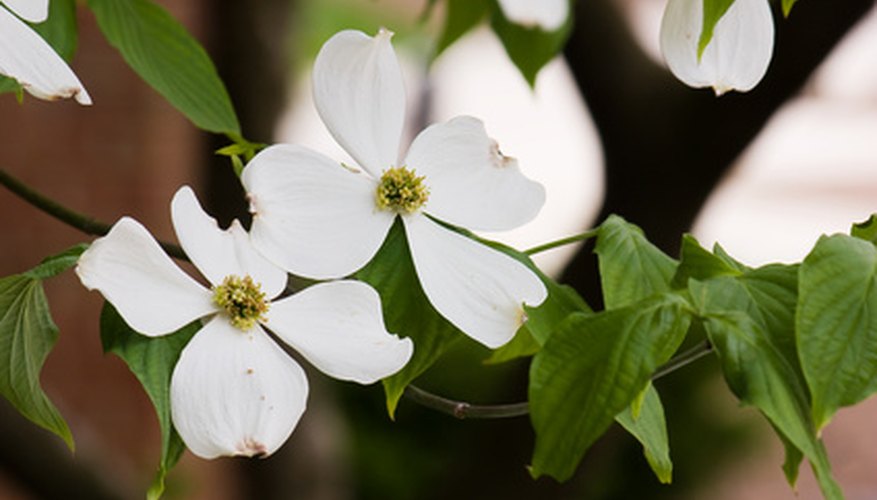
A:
(407, 311)
(529, 48)
(787, 6)
(591, 369)
(713, 10)
(169, 59)
(60, 29)
(837, 323)
(27, 335)
(631, 268)
(750, 321)
(152, 361)
(866, 230)
(648, 425)
(460, 17)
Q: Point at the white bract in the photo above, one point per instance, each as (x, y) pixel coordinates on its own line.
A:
(234, 391)
(319, 219)
(27, 58)
(546, 14)
(736, 58)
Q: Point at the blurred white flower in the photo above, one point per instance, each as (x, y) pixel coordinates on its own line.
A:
(548, 15)
(736, 58)
(27, 58)
(319, 219)
(234, 391)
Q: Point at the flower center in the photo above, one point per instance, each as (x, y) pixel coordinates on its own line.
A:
(242, 299)
(401, 191)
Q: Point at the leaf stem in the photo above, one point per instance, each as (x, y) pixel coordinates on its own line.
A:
(84, 223)
(464, 410)
(562, 242)
(680, 360)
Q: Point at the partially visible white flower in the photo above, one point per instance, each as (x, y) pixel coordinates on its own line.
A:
(736, 58)
(546, 14)
(27, 58)
(234, 391)
(319, 219)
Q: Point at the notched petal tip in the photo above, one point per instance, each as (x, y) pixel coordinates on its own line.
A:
(250, 447)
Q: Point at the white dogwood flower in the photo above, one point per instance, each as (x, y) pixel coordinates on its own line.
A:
(234, 391)
(548, 15)
(736, 57)
(319, 219)
(27, 58)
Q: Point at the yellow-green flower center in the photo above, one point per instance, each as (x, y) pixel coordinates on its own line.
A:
(401, 191)
(242, 299)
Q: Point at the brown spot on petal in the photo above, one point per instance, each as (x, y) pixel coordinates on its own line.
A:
(249, 447)
(498, 159)
(250, 371)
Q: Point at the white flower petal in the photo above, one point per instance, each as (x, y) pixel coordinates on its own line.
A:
(359, 94)
(236, 393)
(217, 253)
(546, 14)
(471, 184)
(35, 11)
(339, 328)
(27, 58)
(479, 290)
(736, 58)
(131, 271)
(312, 216)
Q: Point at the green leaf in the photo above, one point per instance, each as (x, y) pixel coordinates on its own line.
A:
(407, 311)
(169, 59)
(522, 345)
(591, 369)
(750, 322)
(60, 29)
(698, 263)
(866, 230)
(152, 361)
(837, 323)
(649, 427)
(713, 10)
(56, 264)
(460, 17)
(787, 6)
(631, 268)
(562, 301)
(27, 335)
(529, 48)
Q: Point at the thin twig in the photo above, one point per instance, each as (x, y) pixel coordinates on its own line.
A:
(562, 242)
(464, 410)
(84, 223)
